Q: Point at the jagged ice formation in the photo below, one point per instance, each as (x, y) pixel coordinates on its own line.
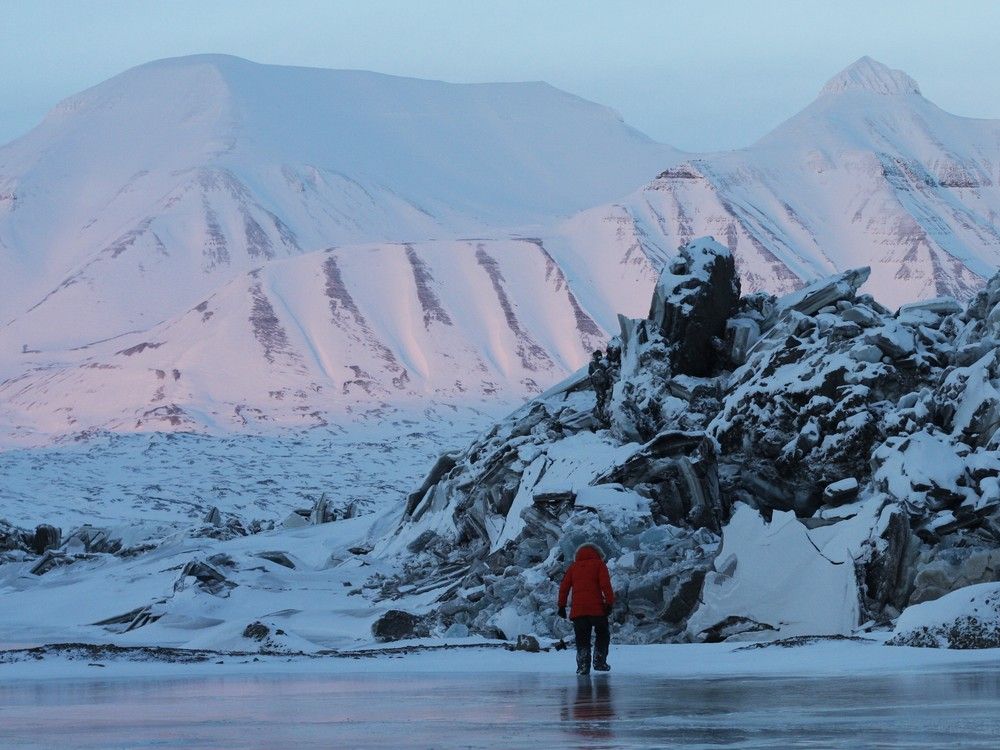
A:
(810, 464)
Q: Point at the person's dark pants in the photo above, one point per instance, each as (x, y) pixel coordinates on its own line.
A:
(602, 641)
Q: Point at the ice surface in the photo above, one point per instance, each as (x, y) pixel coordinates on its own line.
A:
(701, 697)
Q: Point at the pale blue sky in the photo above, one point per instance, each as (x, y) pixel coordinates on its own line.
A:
(699, 75)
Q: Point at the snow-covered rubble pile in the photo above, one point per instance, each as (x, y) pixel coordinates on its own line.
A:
(967, 618)
(798, 465)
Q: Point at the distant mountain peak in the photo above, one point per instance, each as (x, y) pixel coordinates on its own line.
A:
(870, 75)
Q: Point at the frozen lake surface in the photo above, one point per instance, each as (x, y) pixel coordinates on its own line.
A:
(505, 710)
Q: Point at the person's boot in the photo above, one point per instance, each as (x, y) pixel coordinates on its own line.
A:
(601, 662)
(582, 663)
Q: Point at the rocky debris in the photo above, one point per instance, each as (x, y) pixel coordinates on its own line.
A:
(134, 619)
(90, 540)
(213, 517)
(817, 397)
(322, 511)
(527, 643)
(641, 400)
(46, 537)
(207, 576)
(297, 519)
(945, 485)
(53, 559)
(799, 641)
(865, 441)
(964, 619)
(885, 566)
(278, 558)
(256, 631)
(937, 306)
(259, 526)
(945, 568)
(268, 638)
(397, 625)
(457, 630)
(90, 652)
(46, 543)
(741, 335)
(894, 340)
(660, 594)
(230, 528)
(677, 471)
(94, 540)
(445, 463)
(840, 492)
(813, 297)
(735, 628)
(13, 539)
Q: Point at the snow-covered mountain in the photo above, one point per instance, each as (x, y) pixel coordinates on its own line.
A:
(870, 173)
(135, 199)
(348, 329)
(155, 232)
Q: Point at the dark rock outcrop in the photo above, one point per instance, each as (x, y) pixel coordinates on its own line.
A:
(46, 537)
(256, 631)
(692, 303)
(887, 567)
(527, 643)
(397, 625)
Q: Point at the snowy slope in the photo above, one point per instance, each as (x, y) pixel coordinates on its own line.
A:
(346, 330)
(136, 198)
(870, 173)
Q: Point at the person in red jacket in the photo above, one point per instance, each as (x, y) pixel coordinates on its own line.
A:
(587, 577)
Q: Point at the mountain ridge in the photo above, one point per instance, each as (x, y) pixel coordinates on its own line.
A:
(203, 168)
(870, 173)
(860, 176)
(868, 74)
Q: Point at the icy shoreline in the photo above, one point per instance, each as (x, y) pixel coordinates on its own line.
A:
(832, 658)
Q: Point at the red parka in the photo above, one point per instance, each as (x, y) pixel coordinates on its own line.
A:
(588, 578)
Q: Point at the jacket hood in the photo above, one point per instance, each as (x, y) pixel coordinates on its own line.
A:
(588, 552)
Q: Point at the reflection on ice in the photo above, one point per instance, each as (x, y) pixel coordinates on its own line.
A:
(930, 709)
(588, 711)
